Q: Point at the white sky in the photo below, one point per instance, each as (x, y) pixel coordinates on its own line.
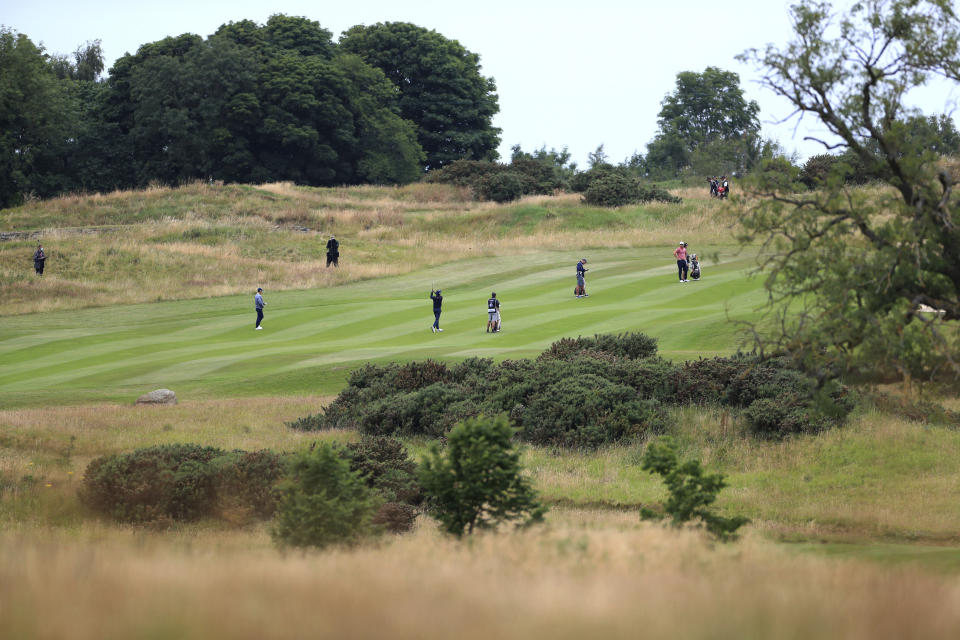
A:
(573, 73)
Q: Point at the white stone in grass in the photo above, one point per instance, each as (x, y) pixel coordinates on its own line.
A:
(160, 396)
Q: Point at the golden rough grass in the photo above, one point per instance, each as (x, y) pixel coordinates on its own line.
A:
(587, 575)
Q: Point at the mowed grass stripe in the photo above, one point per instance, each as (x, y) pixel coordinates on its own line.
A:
(313, 338)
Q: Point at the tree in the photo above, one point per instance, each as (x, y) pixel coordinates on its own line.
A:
(322, 501)
(440, 85)
(705, 109)
(864, 279)
(478, 482)
(691, 491)
(38, 120)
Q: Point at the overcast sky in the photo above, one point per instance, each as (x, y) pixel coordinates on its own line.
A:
(573, 73)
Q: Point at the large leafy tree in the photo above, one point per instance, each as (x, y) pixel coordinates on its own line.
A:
(441, 88)
(706, 108)
(865, 278)
(39, 118)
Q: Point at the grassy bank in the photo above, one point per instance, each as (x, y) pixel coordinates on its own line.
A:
(208, 348)
(202, 240)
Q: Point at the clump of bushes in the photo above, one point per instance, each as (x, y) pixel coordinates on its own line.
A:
(616, 189)
(181, 482)
(500, 182)
(186, 482)
(582, 392)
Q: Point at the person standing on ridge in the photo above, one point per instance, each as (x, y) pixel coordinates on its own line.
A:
(493, 314)
(259, 304)
(333, 251)
(581, 291)
(39, 257)
(680, 253)
(437, 305)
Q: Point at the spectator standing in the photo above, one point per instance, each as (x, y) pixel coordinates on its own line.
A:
(259, 304)
(333, 251)
(39, 257)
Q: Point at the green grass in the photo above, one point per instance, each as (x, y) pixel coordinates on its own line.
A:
(312, 339)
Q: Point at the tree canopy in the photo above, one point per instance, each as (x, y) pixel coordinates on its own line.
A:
(705, 110)
(441, 89)
(865, 279)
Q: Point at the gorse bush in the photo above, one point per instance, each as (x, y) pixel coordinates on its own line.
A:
(583, 392)
(181, 482)
(385, 467)
(477, 481)
(323, 502)
(692, 491)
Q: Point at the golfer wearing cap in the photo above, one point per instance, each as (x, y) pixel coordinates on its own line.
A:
(581, 291)
(259, 304)
(680, 253)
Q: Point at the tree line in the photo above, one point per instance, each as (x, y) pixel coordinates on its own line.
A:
(249, 103)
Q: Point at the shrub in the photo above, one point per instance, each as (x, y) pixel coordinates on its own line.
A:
(623, 345)
(245, 483)
(323, 502)
(395, 517)
(588, 411)
(612, 190)
(502, 186)
(181, 482)
(386, 467)
(692, 491)
(544, 399)
(477, 482)
(162, 482)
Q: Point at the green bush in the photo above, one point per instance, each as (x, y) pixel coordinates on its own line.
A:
(543, 398)
(622, 345)
(612, 190)
(588, 411)
(163, 482)
(386, 467)
(692, 491)
(502, 186)
(181, 482)
(323, 502)
(477, 482)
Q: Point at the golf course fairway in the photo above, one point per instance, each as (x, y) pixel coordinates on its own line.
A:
(313, 338)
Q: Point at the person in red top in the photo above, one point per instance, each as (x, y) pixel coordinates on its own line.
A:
(680, 253)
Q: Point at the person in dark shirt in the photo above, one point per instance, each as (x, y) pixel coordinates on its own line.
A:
(581, 291)
(437, 304)
(333, 251)
(39, 257)
(493, 314)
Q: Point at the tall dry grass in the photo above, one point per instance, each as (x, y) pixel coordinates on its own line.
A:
(587, 575)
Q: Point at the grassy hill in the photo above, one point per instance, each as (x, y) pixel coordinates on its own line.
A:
(853, 533)
(203, 240)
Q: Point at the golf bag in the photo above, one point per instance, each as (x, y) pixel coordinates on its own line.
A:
(694, 267)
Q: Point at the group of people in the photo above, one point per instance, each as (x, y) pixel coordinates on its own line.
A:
(719, 187)
(687, 266)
